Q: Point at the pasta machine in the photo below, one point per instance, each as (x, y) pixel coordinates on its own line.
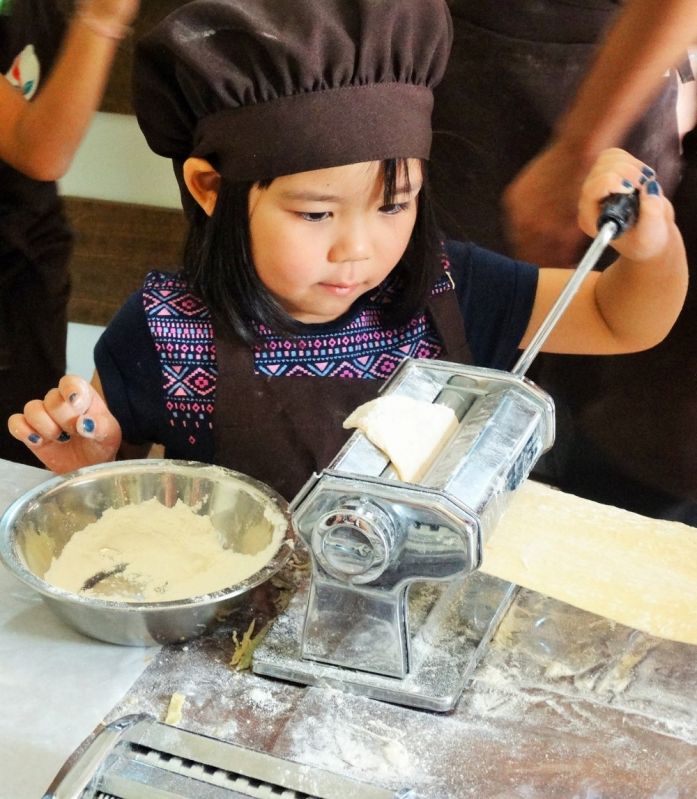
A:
(395, 607)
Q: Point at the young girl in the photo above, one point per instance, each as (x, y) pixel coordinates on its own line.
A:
(299, 134)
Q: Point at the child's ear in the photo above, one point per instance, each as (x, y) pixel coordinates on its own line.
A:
(203, 182)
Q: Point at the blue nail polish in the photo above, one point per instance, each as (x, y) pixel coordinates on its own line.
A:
(653, 187)
(63, 437)
(34, 438)
(88, 425)
(627, 184)
(647, 172)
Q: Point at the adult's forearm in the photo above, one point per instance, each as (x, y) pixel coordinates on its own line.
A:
(50, 129)
(648, 38)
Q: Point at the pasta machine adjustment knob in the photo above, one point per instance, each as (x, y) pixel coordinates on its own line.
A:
(355, 542)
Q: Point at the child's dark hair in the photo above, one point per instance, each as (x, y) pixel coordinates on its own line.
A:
(218, 260)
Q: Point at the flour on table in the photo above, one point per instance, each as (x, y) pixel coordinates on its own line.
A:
(151, 553)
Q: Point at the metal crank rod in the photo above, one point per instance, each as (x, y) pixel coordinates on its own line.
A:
(619, 212)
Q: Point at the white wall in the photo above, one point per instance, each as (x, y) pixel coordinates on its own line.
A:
(114, 163)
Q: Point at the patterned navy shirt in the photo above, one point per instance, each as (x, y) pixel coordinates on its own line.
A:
(157, 358)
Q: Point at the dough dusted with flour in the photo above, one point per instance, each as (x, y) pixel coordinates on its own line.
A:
(634, 570)
(410, 432)
(152, 553)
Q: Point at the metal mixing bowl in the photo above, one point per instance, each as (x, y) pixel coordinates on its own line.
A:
(36, 527)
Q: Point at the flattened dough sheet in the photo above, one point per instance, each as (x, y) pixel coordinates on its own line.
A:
(634, 570)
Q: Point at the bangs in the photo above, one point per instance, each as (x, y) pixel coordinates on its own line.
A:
(395, 178)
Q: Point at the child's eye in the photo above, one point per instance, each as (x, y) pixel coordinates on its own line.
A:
(393, 208)
(314, 216)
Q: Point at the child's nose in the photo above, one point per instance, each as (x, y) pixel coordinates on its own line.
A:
(351, 244)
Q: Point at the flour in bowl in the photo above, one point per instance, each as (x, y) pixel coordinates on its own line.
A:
(152, 553)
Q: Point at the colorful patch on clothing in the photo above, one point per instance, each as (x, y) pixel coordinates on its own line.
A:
(25, 72)
(363, 349)
(182, 331)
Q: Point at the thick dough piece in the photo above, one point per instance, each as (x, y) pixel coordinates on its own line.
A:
(409, 431)
(637, 571)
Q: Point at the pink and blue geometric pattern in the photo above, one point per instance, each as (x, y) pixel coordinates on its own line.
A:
(182, 332)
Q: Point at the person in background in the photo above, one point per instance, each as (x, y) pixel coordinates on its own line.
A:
(54, 66)
(627, 425)
(313, 265)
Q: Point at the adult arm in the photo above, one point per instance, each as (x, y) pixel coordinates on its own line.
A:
(541, 204)
(40, 138)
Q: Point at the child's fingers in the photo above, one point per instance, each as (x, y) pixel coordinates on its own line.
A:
(60, 410)
(77, 392)
(650, 234)
(96, 437)
(21, 430)
(621, 176)
(615, 159)
(99, 426)
(41, 421)
(60, 415)
(616, 171)
(68, 404)
(601, 185)
(70, 428)
(92, 418)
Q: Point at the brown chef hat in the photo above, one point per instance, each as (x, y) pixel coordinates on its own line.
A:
(264, 88)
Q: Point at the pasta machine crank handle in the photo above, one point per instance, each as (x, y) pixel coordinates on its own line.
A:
(619, 212)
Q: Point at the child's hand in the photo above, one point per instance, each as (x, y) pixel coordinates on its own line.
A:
(70, 428)
(616, 171)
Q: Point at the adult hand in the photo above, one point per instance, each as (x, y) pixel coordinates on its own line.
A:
(540, 208)
(70, 428)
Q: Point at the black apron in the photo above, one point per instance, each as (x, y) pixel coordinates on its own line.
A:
(281, 430)
(511, 75)
(35, 247)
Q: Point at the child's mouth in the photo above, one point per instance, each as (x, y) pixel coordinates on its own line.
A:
(339, 289)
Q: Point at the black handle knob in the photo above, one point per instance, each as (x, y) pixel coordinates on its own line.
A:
(622, 209)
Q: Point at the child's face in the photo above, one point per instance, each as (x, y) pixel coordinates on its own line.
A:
(320, 239)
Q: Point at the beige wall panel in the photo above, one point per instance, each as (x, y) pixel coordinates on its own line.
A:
(116, 245)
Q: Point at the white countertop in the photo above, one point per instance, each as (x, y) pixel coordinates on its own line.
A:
(563, 704)
(55, 684)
